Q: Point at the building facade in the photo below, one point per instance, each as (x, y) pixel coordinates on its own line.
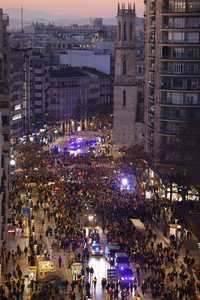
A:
(125, 89)
(38, 87)
(87, 58)
(4, 124)
(76, 93)
(172, 77)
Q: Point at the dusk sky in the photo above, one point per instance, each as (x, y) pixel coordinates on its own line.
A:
(85, 8)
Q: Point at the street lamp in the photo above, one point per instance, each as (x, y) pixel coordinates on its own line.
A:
(90, 218)
(12, 163)
(124, 182)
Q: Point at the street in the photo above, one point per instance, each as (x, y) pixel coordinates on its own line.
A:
(65, 215)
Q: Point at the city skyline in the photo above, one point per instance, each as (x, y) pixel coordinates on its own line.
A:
(63, 7)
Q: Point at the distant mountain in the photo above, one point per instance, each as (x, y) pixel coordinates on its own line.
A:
(43, 17)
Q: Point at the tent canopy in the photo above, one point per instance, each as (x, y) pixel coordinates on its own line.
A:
(138, 224)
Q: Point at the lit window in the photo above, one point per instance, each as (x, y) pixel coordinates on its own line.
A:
(17, 107)
(16, 117)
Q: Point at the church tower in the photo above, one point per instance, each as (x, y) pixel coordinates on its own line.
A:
(125, 90)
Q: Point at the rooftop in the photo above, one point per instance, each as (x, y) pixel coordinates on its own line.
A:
(67, 72)
(95, 72)
(76, 72)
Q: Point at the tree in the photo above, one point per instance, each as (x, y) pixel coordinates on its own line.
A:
(184, 152)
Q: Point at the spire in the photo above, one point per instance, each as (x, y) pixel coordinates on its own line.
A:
(118, 7)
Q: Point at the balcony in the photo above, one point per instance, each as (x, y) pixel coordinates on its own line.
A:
(166, 40)
(185, 8)
(173, 118)
(184, 86)
(167, 132)
(184, 73)
(183, 104)
(184, 56)
(180, 115)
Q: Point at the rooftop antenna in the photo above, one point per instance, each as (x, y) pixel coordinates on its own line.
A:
(22, 19)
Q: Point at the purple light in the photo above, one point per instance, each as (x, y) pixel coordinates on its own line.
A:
(124, 181)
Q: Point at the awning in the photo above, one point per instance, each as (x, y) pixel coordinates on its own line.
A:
(138, 224)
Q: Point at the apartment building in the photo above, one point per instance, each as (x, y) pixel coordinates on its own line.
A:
(4, 122)
(172, 80)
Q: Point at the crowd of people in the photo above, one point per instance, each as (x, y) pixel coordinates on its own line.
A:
(56, 187)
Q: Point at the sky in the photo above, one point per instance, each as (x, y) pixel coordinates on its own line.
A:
(83, 8)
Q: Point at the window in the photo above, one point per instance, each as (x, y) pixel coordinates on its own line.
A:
(16, 117)
(193, 6)
(17, 107)
(178, 68)
(177, 5)
(175, 98)
(1, 69)
(191, 98)
(124, 98)
(178, 82)
(176, 36)
(178, 52)
(131, 31)
(125, 32)
(120, 31)
(177, 22)
(193, 37)
(124, 66)
(5, 120)
(194, 83)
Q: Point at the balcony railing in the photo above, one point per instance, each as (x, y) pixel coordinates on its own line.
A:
(168, 131)
(184, 87)
(184, 103)
(182, 74)
(165, 40)
(172, 117)
(185, 56)
(187, 9)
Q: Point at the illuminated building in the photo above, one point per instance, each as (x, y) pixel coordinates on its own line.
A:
(172, 78)
(4, 126)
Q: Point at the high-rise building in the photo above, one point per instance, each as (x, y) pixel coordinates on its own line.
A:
(4, 128)
(38, 77)
(172, 78)
(125, 89)
(20, 84)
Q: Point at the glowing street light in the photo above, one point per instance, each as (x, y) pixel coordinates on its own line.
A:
(124, 181)
(12, 162)
(90, 218)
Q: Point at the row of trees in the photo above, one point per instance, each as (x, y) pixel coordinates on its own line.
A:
(183, 153)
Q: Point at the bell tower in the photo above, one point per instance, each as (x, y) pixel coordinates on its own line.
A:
(125, 90)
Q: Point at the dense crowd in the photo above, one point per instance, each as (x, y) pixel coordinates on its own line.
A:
(62, 184)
